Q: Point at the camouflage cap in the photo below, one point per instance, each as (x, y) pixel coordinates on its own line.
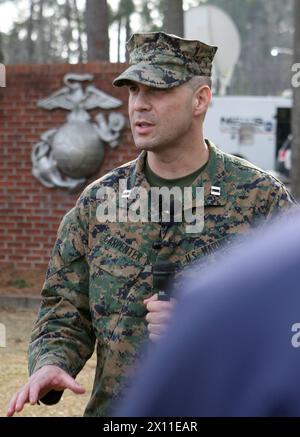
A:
(163, 61)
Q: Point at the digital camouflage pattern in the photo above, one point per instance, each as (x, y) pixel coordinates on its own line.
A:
(164, 61)
(100, 273)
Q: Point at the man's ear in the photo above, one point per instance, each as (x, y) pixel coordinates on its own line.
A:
(201, 100)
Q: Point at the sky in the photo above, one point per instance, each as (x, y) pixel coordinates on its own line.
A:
(9, 12)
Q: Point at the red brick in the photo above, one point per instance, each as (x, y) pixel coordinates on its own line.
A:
(33, 212)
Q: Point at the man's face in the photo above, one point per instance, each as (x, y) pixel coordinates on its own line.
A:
(160, 118)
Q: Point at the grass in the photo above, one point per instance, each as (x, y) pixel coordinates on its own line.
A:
(13, 370)
(19, 283)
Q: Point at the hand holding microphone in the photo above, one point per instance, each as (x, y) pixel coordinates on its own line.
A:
(160, 305)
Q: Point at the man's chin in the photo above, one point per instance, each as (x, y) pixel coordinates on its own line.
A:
(146, 147)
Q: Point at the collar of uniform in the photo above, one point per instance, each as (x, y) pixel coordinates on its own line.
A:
(212, 178)
(136, 177)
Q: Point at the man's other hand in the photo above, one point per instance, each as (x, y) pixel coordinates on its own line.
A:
(47, 378)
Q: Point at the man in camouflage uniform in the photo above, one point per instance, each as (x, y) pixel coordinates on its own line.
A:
(99, 285)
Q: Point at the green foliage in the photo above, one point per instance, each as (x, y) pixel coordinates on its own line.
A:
(19, 283)
(47, 32)
(56, 32)
(262, 24)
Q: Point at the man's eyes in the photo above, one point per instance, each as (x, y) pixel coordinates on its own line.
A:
(133, 89)
(155, 90)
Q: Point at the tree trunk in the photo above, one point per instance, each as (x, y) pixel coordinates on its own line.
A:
(119, 38)
(79, 28)
(296, 109)
(68, 31)
(29, 42)
(1, 49)
(41, 55)
(96, 20)
(173, 17)
(128, 35)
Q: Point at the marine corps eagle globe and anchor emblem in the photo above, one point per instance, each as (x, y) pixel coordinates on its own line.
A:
(66, 156)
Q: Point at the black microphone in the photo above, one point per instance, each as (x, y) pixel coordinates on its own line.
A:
(163, 273)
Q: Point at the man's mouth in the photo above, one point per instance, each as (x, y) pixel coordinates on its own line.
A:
(143, 127)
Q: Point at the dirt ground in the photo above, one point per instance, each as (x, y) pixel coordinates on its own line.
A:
(13, 370)
(21, 282)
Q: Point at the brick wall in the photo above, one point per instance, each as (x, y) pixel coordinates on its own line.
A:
(29, 212)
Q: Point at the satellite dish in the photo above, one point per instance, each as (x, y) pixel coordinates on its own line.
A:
(213, 26)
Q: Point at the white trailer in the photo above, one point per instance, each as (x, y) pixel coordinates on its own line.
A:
(249, 126)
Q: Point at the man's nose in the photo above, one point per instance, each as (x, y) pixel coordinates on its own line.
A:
(142, 102)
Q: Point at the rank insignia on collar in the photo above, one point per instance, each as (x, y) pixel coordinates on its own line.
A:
(215, 191)
(126, 194)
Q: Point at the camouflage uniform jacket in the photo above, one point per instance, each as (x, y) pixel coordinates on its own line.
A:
(99, 273)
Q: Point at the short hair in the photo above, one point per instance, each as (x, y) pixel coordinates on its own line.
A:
(198, 81)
